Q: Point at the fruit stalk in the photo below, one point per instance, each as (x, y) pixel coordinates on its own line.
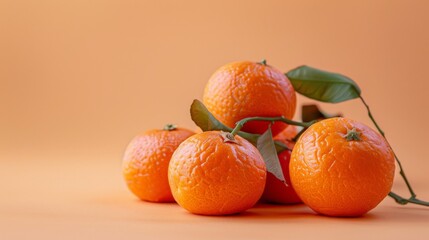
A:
(393, 195)
(243, 121)
(404, 201)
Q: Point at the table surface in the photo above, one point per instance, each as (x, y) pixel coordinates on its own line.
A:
(85, 198)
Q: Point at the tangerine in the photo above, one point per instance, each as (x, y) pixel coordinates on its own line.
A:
(145, 163)
(210, 174)
(248, 89)
(341, 167)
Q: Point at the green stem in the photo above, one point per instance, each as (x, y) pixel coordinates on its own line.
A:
(401, 170)
(418, 201)
(404, 201)
(402, 173)
(398, 198)
(243, 121)
(372, 118)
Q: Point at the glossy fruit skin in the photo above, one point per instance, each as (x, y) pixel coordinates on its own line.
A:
(208, 176)
(248, 89)
(336, 177)
(145, 163)
(275, 190)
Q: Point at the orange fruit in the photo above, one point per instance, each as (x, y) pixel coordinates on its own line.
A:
(340, 167)
(145, 163)
(286, 136)
(211, 176)
(248, 89)
(275, 190)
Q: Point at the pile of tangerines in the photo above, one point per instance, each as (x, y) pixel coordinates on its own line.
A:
(336, 166)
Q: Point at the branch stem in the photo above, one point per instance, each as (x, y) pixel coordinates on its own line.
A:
(404, 201)
(243, 121)
(401, 170)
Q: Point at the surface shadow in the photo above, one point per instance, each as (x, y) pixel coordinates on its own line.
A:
(275, 212)
(260, 213)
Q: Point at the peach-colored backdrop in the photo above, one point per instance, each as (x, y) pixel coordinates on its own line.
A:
(78, 79)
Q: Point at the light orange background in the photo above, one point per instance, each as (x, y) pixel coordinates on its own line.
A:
(79, 79)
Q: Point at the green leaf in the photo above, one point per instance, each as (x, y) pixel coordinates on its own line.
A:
(268, 151)
(323, 86)
(204, 119)
(207, 122)
(311, 112)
